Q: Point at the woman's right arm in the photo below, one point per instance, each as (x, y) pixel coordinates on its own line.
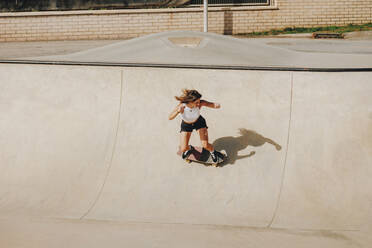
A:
(175, 112)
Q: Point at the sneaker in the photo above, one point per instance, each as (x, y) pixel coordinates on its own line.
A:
(214, 156)
(187, 153)
(220, 155)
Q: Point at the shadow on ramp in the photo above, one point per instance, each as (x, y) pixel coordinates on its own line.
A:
(232, 145)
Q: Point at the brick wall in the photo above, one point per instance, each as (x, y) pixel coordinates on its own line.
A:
(119, 24)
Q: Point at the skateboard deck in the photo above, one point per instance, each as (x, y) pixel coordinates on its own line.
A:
(203, 156)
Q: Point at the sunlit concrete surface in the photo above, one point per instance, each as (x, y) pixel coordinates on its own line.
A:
(197, 48)
(88, 158)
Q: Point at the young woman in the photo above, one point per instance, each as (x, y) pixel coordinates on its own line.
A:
(189, 108)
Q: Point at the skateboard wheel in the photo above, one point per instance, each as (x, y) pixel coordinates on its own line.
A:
(188, 161)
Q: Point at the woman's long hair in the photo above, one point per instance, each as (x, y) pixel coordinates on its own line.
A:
(188, 96)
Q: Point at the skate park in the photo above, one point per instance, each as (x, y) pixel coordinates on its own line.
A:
(89, 156)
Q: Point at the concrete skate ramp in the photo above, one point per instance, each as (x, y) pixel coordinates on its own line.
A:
(88, 158)
(191, 49)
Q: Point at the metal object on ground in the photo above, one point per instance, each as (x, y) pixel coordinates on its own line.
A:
(327, 35)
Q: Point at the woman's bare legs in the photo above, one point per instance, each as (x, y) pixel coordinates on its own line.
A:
(203, 133)
(185, 138)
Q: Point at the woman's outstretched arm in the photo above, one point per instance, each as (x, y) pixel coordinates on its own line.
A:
(176, 111)
(210, 104)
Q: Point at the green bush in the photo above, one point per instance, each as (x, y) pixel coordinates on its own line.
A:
(292, 30)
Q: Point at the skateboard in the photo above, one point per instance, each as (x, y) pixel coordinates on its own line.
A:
(203, 156)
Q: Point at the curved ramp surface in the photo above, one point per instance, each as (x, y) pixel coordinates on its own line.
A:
(88, 158)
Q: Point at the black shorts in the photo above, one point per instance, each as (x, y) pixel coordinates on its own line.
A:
(199, 123)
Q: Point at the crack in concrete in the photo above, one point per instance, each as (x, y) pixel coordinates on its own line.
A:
(286, 154)
(113, 150)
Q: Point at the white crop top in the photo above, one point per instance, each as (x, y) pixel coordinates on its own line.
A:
(190, 114)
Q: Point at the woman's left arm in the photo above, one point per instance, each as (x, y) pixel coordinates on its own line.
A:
(210, 104)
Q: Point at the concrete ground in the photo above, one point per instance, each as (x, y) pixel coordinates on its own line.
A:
(355, 42)
(88, 155)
